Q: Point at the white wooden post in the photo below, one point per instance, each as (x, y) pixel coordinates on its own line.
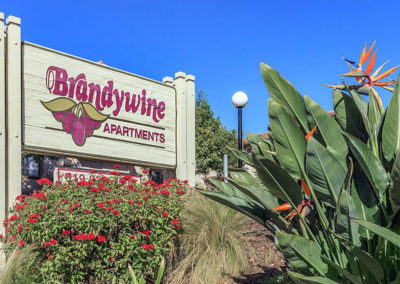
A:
(181, 131)
(3, 206)
(190, 130)
(13, 105)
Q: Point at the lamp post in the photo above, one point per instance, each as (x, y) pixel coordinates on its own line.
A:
(239, 100)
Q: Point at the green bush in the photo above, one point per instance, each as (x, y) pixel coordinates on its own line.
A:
(91, 231)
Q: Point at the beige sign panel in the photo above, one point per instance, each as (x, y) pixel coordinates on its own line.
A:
(78, 107)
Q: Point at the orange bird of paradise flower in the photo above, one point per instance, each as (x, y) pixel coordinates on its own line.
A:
(303, 206)
(365, 77)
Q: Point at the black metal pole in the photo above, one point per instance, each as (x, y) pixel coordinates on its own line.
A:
(240, 135)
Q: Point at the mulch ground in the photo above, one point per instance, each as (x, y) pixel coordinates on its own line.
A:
(263, 258)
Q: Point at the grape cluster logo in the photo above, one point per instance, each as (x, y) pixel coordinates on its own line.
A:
(79, 119)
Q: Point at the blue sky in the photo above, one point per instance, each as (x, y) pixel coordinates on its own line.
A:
(220, 42)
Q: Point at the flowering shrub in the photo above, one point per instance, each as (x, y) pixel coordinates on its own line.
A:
(91, 231)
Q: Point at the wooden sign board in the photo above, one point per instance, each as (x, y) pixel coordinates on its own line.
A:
(77, 107)
(63, 175)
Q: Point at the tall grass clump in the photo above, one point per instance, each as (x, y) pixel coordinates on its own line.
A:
(209, 247)
(12, 266)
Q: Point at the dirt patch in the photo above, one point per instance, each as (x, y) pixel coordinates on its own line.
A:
(265, 261)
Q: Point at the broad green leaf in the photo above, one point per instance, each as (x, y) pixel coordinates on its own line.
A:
(345, 211)
(325, 170)
(344, 272)
(258, 194)
(302, 253)
(362, 107)
(369, 263)
(227, 188)
(241, 175)
(347, 113)
(391, 126)
(290, 143)
(374, 115)
(250, 209)
(278, 181)
(300, 278)
(385, 233)
(327, 128)
(285, 94)
(245, 157)
(370, 165)
(394, 190)
(365, 202)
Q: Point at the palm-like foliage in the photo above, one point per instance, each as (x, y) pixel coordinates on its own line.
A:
(341, 183)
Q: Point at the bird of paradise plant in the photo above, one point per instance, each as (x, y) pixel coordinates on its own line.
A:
(338, 174)
(365, 78)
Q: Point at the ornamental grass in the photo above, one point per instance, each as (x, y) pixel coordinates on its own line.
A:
(209, 248)
(90, 231)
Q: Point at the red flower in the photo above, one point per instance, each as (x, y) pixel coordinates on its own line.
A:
(66, 232)
(44, 181)
(1, 236)
(87, 211)
(100, 204)
(165, 214)
(33, 218)
(50, 242)
(85, 237)
(132, 237)
(49, 256)
(21, 243)
(116, 166)
(93, 189)
(58, 210)
(101, 238)
(145, 198)
(146, 232)
(93, 171)
(145, 171)
(147, 247)
(165, 192)
(76, 204)
(20, 198)
(181, 192)
(176, 223)
(115, 212)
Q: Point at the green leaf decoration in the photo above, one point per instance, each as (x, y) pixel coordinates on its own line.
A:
(285, 94)
(385, 233)
(327, 128)
(345, 211)
(300, 278)
(394, 190)
(245, 157)
(59, 104)
(371, 166)
(325, 170)
(290, 142)
(391, 126)
(278, 181)
(302, 253)
(347, 114)
(93, 113)
(251, 210)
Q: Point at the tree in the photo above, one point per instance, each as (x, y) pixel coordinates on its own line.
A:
(212, 138)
